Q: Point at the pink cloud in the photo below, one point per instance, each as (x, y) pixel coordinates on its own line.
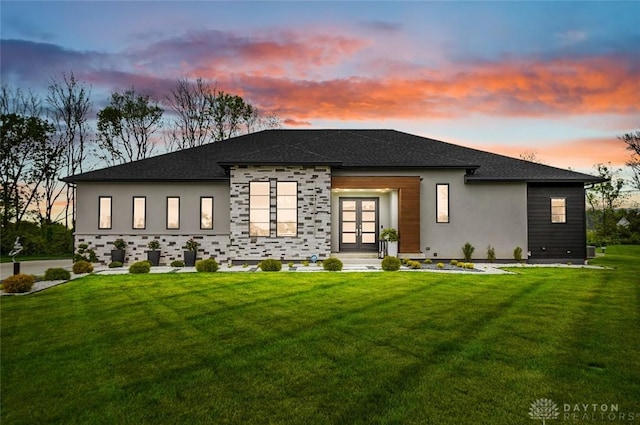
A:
(580, 153)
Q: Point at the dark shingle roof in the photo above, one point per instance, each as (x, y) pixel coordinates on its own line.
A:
(337, 148)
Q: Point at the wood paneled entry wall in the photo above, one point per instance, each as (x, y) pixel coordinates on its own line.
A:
(408, 203)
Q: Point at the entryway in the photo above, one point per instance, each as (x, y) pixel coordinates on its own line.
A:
(359, 219)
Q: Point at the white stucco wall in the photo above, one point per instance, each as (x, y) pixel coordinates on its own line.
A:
(482, 214)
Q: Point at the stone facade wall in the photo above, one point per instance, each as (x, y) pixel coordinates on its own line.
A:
(171, 246)
(314, 214)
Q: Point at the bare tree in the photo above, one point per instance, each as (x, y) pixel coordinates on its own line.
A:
(204, 115)
(192, 124)
(632, 140)
(126, 127)
(531, 156)
(69, 104)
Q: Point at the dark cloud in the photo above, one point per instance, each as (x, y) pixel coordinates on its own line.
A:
(32, 63)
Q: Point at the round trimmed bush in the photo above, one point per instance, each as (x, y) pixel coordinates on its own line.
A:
(391, 264)
(80, 267)
(208, 265)
(270, 265)
(18, 283)
(140, 267)
(177, 263)
(57, 274)
(115, 264)
(332, 264)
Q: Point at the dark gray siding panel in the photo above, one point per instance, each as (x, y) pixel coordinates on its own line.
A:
(556, 241)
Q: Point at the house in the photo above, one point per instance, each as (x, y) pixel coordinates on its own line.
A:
(291, 194)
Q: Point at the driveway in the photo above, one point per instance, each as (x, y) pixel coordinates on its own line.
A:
(34, 267)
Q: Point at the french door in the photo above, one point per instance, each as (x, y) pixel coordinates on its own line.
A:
(358, 224)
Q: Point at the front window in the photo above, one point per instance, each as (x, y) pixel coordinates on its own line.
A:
(558, 210)
(173, 212)
(104, 212)
(259, 204)
(287, 209)
(139, 212)
(206, 212)
(442, 203)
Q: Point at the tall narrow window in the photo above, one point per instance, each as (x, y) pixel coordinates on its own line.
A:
(104, 212)
(206, 212)
(139, 212)
(558, 210)
(287, 209)
(442, 203)
(259, 208)
(173, 212)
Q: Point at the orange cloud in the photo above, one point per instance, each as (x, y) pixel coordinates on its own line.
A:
(294, 123)
(558, 87)
(577, 154)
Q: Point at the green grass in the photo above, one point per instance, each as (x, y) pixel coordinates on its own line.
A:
(323, 348)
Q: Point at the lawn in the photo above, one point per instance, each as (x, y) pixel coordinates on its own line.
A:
(324, 348)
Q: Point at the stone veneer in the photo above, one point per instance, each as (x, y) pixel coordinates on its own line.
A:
(171, 246)
(314, 214)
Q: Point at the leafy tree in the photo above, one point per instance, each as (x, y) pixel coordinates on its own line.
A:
(26, 157)
(604, 199)
(126, 126)
(632, 140)
(229, 112)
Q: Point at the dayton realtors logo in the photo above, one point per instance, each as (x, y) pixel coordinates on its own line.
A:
(545, 409)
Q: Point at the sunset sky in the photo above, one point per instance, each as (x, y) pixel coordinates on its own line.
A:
(560, 79)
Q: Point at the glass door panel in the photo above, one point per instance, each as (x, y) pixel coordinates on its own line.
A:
(358, 224)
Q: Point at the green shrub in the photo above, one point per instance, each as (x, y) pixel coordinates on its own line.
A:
(467, 250)
(209, 265)
(270, 265)
(517, 254)
(84, 253)
(427, 261)
(57, 274)
(18, 283)
(414, 264)
(82, 266)
(440, 265)
(332, 264)
(119, 244)
(469, 266)
(177, 263)
(140, 267)
(491, 254)
(153, 245)
(454, 262)
(305, 263)
(390, 235)
(290, 264)
(391, 264)
(115, 264)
